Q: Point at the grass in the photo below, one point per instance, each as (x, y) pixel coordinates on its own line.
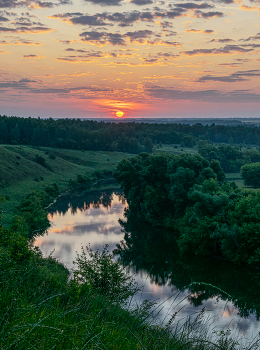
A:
(40, 309)
(176, 149)
(20, 174)
(236, 177)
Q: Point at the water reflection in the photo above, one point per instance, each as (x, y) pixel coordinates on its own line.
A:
(78, 222)
(228, 293)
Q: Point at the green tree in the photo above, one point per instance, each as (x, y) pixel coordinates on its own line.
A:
(251, 174)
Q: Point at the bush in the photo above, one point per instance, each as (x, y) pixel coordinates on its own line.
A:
(52, 156)
(52, 190)
(40, 160)
(102, 274)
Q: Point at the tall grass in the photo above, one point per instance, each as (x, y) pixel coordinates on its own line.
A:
(41, 308)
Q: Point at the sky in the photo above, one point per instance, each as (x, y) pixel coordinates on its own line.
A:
(130, 58)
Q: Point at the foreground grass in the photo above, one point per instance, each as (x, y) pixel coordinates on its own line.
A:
(41, 309)
(20, 174)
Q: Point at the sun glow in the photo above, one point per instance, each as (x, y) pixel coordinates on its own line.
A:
(119, 114)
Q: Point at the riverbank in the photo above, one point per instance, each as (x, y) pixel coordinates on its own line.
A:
(40, 308)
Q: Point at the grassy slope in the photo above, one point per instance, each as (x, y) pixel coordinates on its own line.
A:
(22, 174)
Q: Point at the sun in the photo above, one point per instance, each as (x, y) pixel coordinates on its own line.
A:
(119, 114)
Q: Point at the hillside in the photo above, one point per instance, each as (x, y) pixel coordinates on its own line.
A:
(20, 173)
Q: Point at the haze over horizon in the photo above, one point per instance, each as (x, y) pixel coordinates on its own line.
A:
(135, 58)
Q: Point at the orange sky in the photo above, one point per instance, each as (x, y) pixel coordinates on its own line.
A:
(94, 58)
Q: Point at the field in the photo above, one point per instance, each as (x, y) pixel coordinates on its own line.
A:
(20, 174)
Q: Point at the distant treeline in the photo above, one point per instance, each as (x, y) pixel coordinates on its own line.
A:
(125, 137)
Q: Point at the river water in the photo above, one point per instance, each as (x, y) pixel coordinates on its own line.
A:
(229, 296)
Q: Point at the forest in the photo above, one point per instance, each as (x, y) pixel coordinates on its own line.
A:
(124, 137)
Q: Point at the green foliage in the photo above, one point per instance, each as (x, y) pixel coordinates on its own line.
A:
(251, 174)
(101, 273)
(129, 137)
(187, 194)
(82, 181)
(40, 160)
(52, 190)
(157, 186)
(31, 218)
(230, 157)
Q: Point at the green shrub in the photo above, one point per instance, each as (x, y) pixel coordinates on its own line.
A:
(40, 160)
(101, 273)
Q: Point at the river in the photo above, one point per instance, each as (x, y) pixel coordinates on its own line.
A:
(229, 295)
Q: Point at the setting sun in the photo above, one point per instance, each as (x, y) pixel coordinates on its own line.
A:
(119, 114)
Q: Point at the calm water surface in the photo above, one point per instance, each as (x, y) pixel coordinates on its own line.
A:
(93, 219)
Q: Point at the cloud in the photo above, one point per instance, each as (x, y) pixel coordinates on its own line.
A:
(210, 14)
(11, 3)
(28, 86)
(85, 55)
(32, 3)
(67, 42)
(231, 65)
(139, 35)
(25, 29)
(3, 19)
(20, 84)
(178, 12)
(249, 8)
(213, 96)
(227, 2)
(123, 19)
(234, 77)
(161, 57)
(103, 38)
(226, 40)
(42, 4)
(90, 53)
(207, 31)
(256, 37)
(192, 6)
(228, 49)
(105, 2)
(141, 2)
(19, 41)
(65, 15)
(166, 24)
(33, 56)
(88, 20)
